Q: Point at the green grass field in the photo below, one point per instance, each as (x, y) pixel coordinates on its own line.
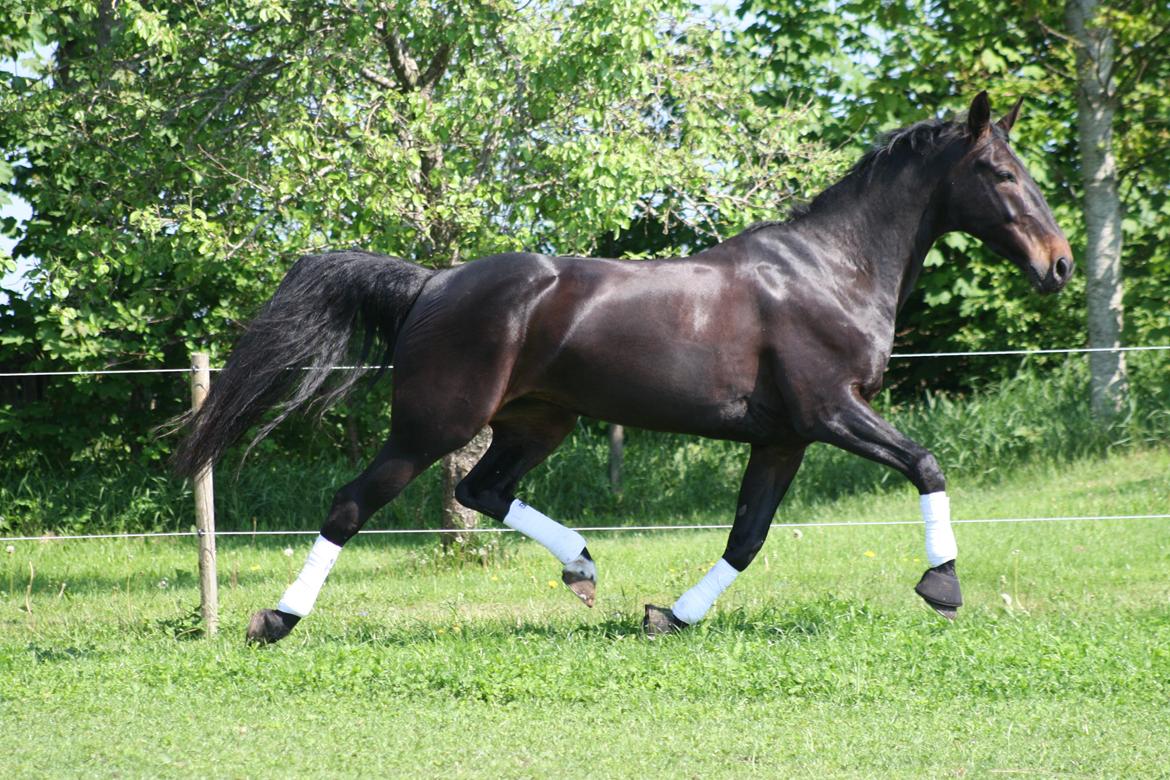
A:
(819, 662)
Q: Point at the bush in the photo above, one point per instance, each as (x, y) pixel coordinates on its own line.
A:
(1036, 415)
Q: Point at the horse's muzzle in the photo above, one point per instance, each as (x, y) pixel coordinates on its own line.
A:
(1060, 271)
(1053, 275)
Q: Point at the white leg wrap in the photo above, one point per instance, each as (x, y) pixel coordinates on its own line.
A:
(565, 543)
(940, 539)
(302, 594)
(692, 605)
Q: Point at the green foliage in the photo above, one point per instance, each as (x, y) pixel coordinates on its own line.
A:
(891, 63)
(179, 156)
(1037, 416)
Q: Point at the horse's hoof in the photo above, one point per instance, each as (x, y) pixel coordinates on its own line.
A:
(660, 621)
(270, 625)
(581, 577)
(939, 587)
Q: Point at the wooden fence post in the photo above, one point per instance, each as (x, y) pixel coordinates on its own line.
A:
(205, 508)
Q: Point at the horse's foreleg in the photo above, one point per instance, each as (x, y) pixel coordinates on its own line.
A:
(859, 429)
(521, 439)
(353, 504)
(769, 472)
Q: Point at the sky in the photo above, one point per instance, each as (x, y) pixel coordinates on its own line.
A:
(21, 211)
(17, 208)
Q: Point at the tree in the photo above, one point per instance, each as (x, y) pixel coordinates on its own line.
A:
(931, 54)
(1096, 89)
(170, 151)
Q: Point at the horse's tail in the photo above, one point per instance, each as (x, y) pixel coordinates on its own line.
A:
(284, 359)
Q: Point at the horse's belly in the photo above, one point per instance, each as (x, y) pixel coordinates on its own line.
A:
(680, 387)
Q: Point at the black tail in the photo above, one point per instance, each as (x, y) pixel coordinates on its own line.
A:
(284, 358)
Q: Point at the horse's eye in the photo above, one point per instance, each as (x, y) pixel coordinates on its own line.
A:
(1004, 175)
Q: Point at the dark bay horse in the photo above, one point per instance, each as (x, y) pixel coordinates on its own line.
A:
(776, 338)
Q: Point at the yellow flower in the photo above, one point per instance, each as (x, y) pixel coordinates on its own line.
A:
(495, 578)
(869, 553)
(552, 583)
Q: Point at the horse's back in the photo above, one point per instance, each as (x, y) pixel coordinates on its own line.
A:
(659, 344)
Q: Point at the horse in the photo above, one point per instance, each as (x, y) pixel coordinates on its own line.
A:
(777, 337)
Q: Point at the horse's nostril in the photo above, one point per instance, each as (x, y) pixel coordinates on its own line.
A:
(1061, 268)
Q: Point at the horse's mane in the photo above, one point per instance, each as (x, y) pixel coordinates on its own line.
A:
(921, 138)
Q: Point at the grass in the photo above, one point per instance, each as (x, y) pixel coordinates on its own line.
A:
(819, 662)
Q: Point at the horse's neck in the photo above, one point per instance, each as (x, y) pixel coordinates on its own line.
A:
(882, 222)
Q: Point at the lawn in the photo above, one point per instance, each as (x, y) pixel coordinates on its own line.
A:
(820, 661)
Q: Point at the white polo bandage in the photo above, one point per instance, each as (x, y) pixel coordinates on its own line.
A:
(692, 605)
(565, 543)
(302, 594)
(940, 539)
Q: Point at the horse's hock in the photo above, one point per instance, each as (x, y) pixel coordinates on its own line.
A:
(455, 467)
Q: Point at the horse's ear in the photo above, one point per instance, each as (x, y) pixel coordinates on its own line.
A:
(979, 115)
(1009, 118)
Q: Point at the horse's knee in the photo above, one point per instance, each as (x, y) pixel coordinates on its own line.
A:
(928, 475)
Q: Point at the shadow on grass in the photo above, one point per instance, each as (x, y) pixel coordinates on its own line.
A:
(828, 616)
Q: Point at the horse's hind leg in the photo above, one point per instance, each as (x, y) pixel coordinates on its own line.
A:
(769, 472)
(523, 435)
(391, 471)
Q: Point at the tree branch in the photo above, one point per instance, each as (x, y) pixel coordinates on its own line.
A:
(270, 213)
(261, 68)
(436, 70)
(403, 65)
(378, 79)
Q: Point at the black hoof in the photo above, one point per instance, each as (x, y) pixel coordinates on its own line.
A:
(270, 625)
(939, 587)
(660, 621)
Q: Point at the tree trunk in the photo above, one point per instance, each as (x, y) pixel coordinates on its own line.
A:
(352, 443)
(439, 240)
(617, 445)
(1096, 102)
(455, 467)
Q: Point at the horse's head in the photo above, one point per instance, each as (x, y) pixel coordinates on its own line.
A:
(992, 197)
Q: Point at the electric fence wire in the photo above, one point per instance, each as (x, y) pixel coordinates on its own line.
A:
(895, 356)
(46, 538)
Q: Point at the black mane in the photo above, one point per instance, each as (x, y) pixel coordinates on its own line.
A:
(921, 138)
